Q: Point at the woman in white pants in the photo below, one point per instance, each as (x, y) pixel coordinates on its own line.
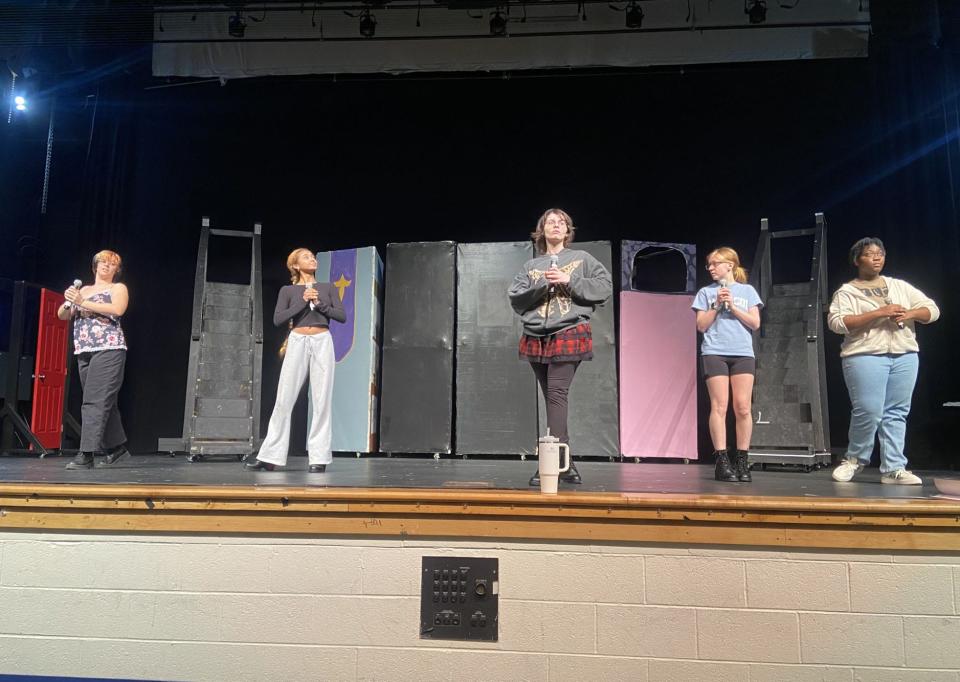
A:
(307, 308)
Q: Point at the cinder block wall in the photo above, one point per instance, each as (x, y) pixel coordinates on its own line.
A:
(240, 608)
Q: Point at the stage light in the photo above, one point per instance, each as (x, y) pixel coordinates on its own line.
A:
(756, 10)
(498, 24)
(368, 24)
(633, 15)
(236, 26)
(20, 103)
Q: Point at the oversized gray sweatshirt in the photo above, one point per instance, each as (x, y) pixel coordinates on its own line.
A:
(544, 312)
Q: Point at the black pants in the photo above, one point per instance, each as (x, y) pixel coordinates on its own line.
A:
(101, 375)
(555, 379)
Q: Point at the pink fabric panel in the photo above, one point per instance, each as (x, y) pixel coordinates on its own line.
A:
(658, 375)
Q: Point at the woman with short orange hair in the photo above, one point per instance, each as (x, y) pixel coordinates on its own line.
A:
(101, 350)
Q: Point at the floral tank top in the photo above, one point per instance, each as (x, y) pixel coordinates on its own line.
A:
(97, 331)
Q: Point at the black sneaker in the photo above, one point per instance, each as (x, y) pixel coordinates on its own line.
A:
(256, 465)
(318, 468)
(83, 460)
(114, 456)
(572, 475)
(535, 479)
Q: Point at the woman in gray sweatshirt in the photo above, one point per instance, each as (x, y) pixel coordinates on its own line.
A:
(555, 295)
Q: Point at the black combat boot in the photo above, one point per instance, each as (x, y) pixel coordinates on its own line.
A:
(742, 465)
(724, 471)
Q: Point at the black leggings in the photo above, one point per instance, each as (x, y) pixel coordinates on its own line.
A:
(555, 379)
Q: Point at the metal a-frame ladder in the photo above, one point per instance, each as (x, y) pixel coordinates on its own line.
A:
(221, 414)
(791, 422)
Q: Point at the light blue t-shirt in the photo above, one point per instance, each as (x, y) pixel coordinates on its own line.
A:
(727, 335)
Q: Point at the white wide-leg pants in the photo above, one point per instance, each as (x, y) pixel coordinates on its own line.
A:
(305, 354)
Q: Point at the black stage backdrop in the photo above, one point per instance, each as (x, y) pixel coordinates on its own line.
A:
(696, 155)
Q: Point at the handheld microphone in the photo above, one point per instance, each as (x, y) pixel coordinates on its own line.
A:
(723, 284)
(313, 305)
(76, 285)
(889, 302)
(554, 259)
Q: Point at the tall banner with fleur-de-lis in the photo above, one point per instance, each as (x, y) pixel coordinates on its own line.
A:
(357, 275)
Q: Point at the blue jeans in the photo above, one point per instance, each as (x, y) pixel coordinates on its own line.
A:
(881, 388)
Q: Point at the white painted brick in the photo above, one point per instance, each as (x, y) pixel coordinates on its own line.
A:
(652, 631)
(213, 662)
(795, 554)
(330, 620)
(927, 558)
(548, 627)
(760, 636)
(641, 548)
(608, 669)
(300, 569)
(728, 552)
(389, 571)
(851, 639)
(798, 585)
(696, 671)
(569, 576)
(800, 673)
(93, 565)
(409, 665)
(695, 581)
(901, 588)
(87, 613)
(903, 675)
(454, 545)
(39, 656)
(853, 555)
(932, 642)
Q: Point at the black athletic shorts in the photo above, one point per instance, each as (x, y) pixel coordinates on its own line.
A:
(725, 365)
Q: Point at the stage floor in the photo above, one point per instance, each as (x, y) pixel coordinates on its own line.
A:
(478, 474)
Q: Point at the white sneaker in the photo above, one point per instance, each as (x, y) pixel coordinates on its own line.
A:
(846, 470)
(901, 477)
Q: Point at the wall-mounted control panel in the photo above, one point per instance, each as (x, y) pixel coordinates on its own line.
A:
(459, 598)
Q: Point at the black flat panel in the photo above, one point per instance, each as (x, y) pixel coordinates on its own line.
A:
(460, 598)
(496, 392)
(416, 396)
(594, 416)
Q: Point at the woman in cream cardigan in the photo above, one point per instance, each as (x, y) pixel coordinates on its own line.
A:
(876, 315)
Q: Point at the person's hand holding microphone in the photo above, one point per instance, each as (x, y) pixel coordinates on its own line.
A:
(554, 275)
(724, 296)
(72, 294)
(310, 295)
(896, 313)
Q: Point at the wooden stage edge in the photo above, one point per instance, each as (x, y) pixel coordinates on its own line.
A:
(488, 515)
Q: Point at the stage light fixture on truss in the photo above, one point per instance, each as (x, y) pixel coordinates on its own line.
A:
(756, 10)
(498, 23)
(236, 26)
(368, 23)
(20, 103)
(633, 15)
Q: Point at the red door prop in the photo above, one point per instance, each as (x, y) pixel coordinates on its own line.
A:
(50, 372)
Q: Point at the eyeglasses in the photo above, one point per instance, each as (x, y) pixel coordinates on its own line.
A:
(715, 263)
(873, 254)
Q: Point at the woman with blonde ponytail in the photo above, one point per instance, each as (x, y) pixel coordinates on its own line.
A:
(728, 312)
(307, 308)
